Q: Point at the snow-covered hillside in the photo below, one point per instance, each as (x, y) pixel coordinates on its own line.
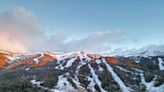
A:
(81, 72)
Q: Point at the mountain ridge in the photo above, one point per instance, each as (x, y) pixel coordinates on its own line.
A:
(81, 71)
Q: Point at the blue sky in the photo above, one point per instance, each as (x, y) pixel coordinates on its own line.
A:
(141, 22)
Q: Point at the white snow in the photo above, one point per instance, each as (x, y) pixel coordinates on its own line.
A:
(76, 80)
(36, 82)
(95, 77)
(157, 89)
(81, 63)
(91, 85)
(60, 62)
(65, 56)
(125, 70)
(150, 85)
(11, 58)
(61, 59)
(59, 67)
(98, 61)
(161, 64)
(134, 53)
(72, 55)
(116, 77)
(77, 83)
(137, 70)
(137, 61)
(63, 85)
(27, 69)
(147, 84)
(37, 59)
(69, 62)
(100, 68)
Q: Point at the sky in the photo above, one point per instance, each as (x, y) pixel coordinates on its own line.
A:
(87, 25)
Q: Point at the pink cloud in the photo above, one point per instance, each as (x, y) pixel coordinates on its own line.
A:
(19, 29)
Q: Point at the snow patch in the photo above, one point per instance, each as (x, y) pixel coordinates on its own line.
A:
(36, 82)
(95, 77)
(147, 84)
(150, 85)
(125, 70)
(37, 59)
(100, 68)
(157, 89)
(63, 85)
(116, 77)
(27, 69)
(161, 64)
(91, 85)
(69, 62)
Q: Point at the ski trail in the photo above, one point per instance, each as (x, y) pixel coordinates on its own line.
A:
(116, 78)
(95, 77)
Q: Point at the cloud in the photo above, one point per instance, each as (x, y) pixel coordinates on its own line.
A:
(153, 47)
(92, 43)
(19, 29)
(8, 43)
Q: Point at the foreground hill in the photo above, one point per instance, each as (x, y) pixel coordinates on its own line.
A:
(81, 72)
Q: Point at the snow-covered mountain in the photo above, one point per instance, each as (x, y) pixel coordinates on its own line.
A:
(81, 72)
